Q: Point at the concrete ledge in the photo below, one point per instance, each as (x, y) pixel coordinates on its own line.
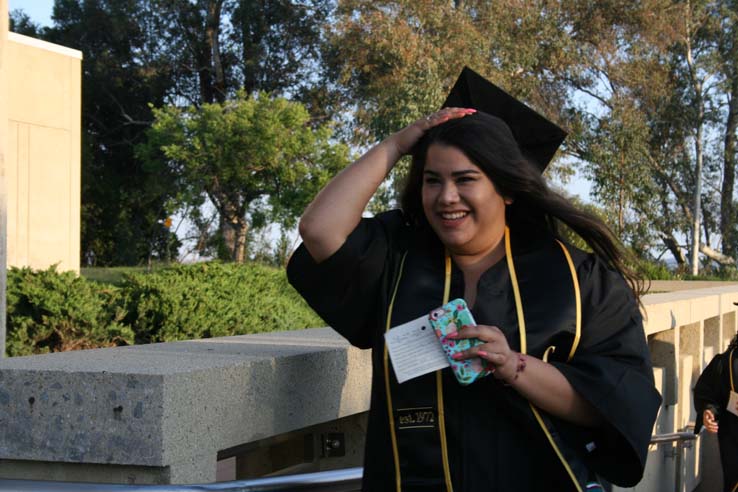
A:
(176, 405)
(665, 311)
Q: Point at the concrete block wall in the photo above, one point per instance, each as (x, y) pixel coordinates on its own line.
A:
(164, 413)
(238, 407)
(685, 330)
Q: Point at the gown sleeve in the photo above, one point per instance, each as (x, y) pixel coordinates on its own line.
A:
(612, 370)
(708, 391)
(344, 288)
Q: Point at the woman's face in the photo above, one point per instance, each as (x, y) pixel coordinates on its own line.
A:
(460, 202)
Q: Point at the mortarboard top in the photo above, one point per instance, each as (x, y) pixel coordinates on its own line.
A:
(537, 137)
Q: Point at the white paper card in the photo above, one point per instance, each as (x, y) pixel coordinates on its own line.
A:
(733, 403)
(414, 349)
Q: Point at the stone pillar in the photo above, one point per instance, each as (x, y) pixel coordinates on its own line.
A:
(3, 147)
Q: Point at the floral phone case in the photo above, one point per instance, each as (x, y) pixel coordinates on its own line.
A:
(448, 319)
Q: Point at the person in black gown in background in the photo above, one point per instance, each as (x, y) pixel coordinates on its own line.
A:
(571, 399)
(711, 400)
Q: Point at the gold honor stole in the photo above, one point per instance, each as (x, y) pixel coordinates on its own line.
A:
(424, 416)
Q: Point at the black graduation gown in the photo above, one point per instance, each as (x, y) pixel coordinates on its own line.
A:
(493, 439)
(712, 391)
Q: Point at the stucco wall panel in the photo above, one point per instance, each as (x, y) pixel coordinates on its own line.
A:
(49, 219)
(39, 85)
(43, 157)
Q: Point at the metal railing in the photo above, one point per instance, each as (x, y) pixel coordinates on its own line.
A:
(683, 440)
(345, 480)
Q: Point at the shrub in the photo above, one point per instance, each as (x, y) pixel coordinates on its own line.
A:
(53, 311)
(654, 270)
(50, 311)
(211, 300)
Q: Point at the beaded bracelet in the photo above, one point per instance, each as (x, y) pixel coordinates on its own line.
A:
(520, 368)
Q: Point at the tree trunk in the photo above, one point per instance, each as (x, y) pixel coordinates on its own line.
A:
(212, 30)
(252, 35)
(621, 199)
(727, 214)
(233, 224)
(717, 255)
(228, 236)
(697, 192)
(673, 247)
(239, 251)
(697, 85)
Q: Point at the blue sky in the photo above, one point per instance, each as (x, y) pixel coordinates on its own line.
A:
(38, 10)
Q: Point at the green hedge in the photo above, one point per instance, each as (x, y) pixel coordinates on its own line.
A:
(52, 311)
(213, 300)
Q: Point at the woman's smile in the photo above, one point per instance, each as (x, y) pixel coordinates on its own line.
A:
(453, 219)
(461, 202)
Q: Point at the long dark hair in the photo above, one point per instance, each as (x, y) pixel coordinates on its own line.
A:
(488, 142)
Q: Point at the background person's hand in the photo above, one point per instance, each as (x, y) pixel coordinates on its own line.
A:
(405, 139)
(708, 418)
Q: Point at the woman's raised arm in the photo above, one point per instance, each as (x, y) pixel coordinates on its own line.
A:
(337, 209)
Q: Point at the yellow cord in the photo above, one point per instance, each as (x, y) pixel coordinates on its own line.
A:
(578, 300)
(393, 434)
(521, 329)
(439, 390)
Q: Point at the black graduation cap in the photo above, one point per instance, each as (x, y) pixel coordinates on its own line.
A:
(537, 137)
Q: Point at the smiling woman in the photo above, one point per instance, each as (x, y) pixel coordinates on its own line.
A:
(572, 397)
(464, 209)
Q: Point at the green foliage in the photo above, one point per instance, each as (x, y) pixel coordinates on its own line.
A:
(21, 23)
(124, 69)
(52, 311)
(212, 300)
(397, 59)
(654, 270)
(254, 158)
(116, 275)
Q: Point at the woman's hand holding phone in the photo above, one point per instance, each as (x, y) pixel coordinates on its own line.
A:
(492, 348)
(474, 351)
(447, 321)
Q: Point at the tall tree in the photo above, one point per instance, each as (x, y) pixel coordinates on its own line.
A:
(659, 60)
(218, 47)
(123, 202)
(728, 50)
(396, 60)
(393, 61)
(622, 88)
(696, 41)
(255, 158)
(279, 44)
(151, 52)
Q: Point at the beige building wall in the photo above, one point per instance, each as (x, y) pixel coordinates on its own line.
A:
(42, 101)
(3, 150)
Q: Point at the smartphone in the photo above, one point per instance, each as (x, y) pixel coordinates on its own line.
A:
(450, 318)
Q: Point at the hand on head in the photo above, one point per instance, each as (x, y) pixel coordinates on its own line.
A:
(405, 139)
